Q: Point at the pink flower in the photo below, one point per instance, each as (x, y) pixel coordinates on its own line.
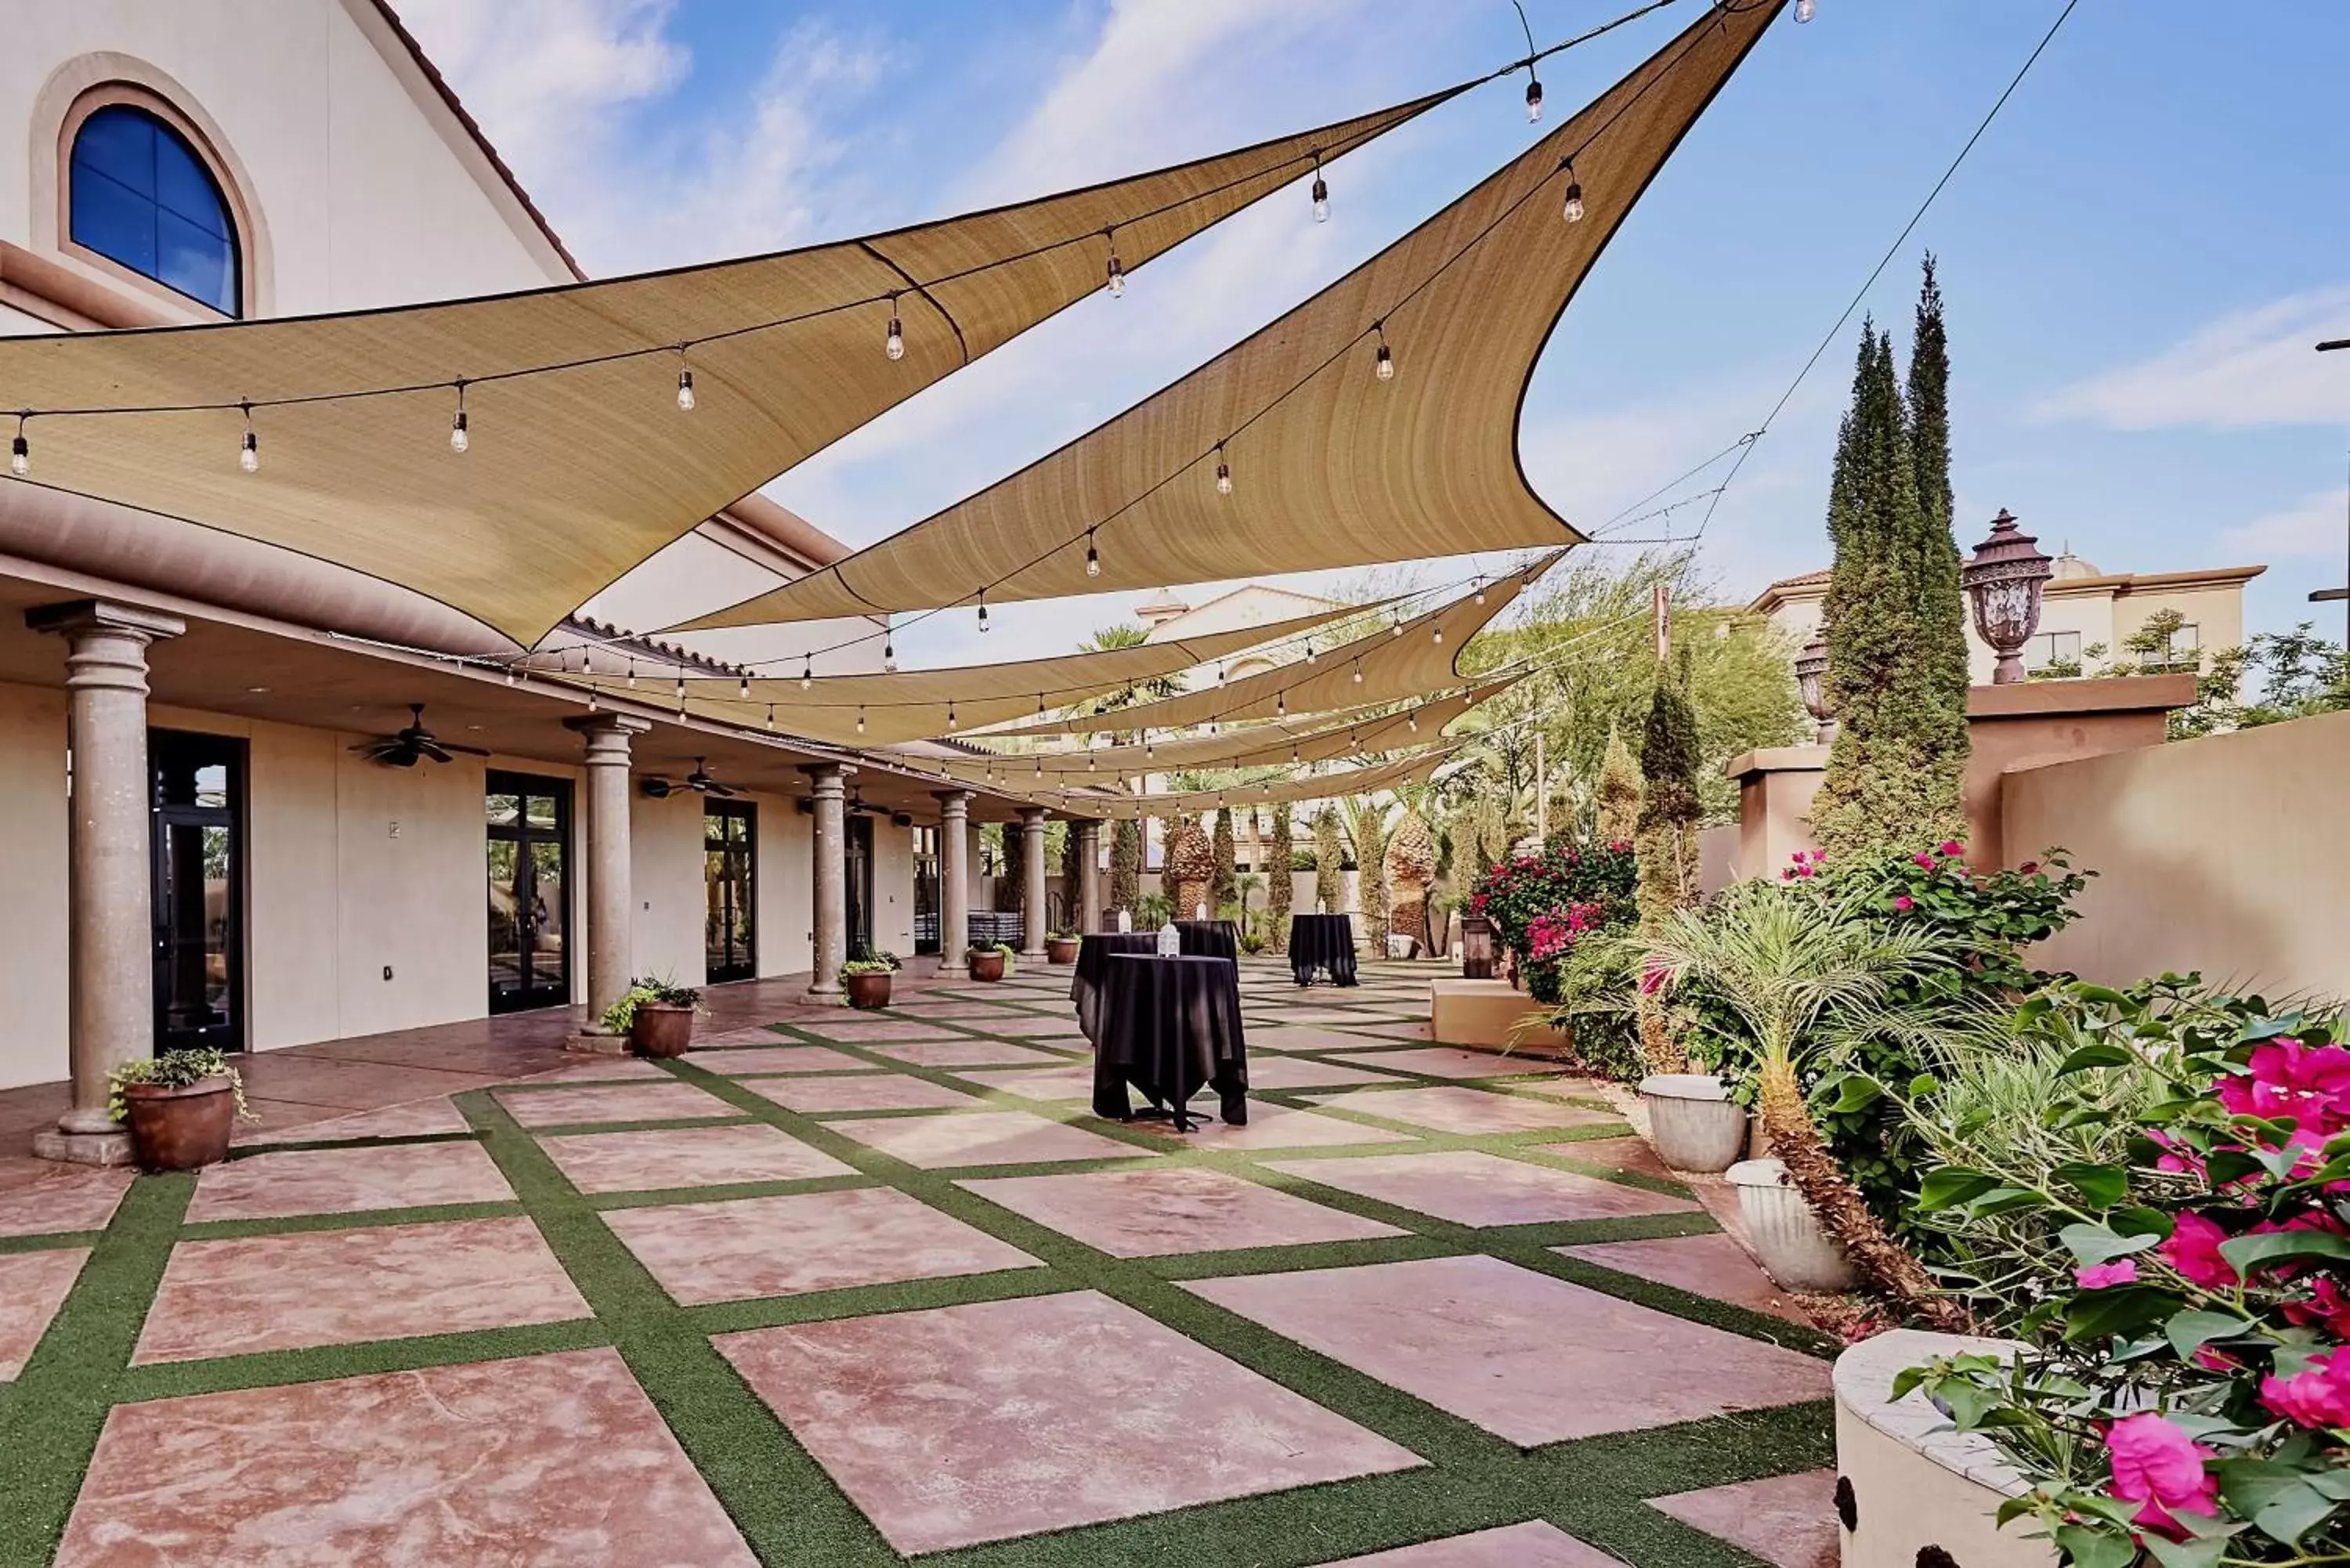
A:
(2193, 1248)
(1786, 874)
(2098, 1276)
(2030, 869)
(2157, 1464)
(2307, 1086)
(1652, 978)
(1949, 846)
(1922, 858)
(2318, 1397)
(2326, 1305)
(1904, 901)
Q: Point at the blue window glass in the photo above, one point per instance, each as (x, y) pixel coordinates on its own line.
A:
(141, 197)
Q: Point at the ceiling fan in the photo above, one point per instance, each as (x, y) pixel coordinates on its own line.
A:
(699, 781)
(403, 748)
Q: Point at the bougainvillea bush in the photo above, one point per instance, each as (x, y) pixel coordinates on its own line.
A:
(1541, 904)
(2183, 1395)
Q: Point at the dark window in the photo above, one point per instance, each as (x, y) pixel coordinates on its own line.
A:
(140, 196)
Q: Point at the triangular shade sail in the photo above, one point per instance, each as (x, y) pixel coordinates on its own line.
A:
(1330, 464)
(916, 704)
(575, 474)
(1363, 732)
(1409, 662)
(1311, 786)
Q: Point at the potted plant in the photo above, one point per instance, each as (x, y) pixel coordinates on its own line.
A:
(1061, 947)
(656, 1015)
(866, 980)
(991, 963)
(179, 1106)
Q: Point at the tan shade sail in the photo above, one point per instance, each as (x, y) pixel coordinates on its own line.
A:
(1330, 465)
(918, 704)
(1312, 787)
(1320, 739)
(573, 476)
(1395, 666)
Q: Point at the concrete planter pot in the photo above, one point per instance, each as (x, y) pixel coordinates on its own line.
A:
(1787, 1236)
(1692, 1123)
(1059, 950)
(661, 1029)
(867, 993)
(987, 966)
(183, 1128)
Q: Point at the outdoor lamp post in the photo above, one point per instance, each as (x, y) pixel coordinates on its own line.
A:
(1476, 948)
(2005, 581)
(1811, 681)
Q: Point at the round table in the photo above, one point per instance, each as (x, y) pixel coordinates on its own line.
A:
(1170, 1027)
(1209, 939)
(1322, 941)
(1094, 950)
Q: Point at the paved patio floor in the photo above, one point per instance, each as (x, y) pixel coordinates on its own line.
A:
(839, 1290)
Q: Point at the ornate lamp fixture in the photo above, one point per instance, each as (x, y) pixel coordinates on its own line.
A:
(1812, 681)
(1476, 948)
(2005, 581)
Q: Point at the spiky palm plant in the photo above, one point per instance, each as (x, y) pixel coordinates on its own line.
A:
(1190, 867)
(1411, 865)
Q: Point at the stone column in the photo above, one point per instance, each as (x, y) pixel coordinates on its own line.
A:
(1032, 894)
(1090, 890)
(109, 966)
(612, 897)
(954, 876)
(831, 878)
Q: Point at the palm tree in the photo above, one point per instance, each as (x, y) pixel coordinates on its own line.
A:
(1804, 970)
(1110, 639)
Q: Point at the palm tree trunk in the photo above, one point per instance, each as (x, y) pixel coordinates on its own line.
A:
(1885, 1266)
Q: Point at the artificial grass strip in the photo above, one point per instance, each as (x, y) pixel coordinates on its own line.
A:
(344, 1220)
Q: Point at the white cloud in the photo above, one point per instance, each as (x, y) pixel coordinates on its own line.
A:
(2248, 368)
(2314, 526)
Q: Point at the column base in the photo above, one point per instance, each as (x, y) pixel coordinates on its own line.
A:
(111, 1147)
(596, 1042)
(825, 996)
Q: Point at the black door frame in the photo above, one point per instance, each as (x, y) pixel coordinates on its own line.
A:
(233, 753)
(532, 993)
(929, 891)
(745, 965)
(856, 856)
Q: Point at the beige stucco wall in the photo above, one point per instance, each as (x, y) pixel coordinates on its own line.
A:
(32, 883)
(2227, 855)
(786, 887)
(893, 887)
(665, 873)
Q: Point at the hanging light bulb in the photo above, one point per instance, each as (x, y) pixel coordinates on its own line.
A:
(1040, 704)
(458, 440)
(591, 701)
(807, 670)
(771, 715)
(684, 382)
(951, 718)
(1394, 627)
(1358, 672)
(1309, 653)
(1321, 192)
(1116, 271)
(1572, 209)
(1805, 10)
(510, 674)
(1436, 634)
(1534, 101)
(894, 345)
(1223, 471)
(745, 691)
(20, 451)
(860, 718)
(1040, 764)
(1093, 557)
(1412, 718)
(1214, 728)
(1281, 704)
(680, 691)
(1480, 591)
(1384, 366)
(249, 459)
(1089, 756)
(889, 653)
(632, 671)
(1219, 675)
(1293, 754)
(982, 614)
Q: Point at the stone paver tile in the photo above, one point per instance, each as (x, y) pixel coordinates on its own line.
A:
(981, 1137)
(1400, 1031)
(1304, 1073)
(339, 1287)
(1789, 1522)
(780, 1059)
(967, 1054)
(1154, 1212)
(546, 1459)
(70, 1199)
(596, 1069)
(1618, 1153)
(345, 1180)
(1455, 1108)
(1075, 1082)
(755, 1035)
(1713, 1266)
(1318, 1016)
(866, 1092)
(1533, 1545)
(671, 1102)
(1454, 1062)
(736, 1249)
(1038, 1028)
(956, 1010)
(865, 1030)
(33, 1285)
(1276, 1126)
(423, 1118)
(965, 1423)
(1528, 1357)
(1293, 1037)
(660, 1158)
(1470, 1187)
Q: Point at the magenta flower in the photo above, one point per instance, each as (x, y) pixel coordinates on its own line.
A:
(1904, 901)
(2318, 1397)
(2193, 1248)
(2307, 1086)
(2326, 1306)
(2157, 1464)
(2098, 1276)
(1950, 846)
(1922, 858)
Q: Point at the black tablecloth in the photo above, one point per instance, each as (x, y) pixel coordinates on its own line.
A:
(1093, 949)
(1209, 939)
(1322, 941)
(1171, 1026)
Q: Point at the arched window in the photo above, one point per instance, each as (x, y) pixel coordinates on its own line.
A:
(141, 197)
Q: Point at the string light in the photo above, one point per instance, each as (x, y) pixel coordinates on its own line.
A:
(894, 345)
(1309, 653)
(591, 703)
(510, 674)
(20, 451)
(1534, 101)
(1093, 557)
(1436, 634)
(684, 382)
(982, 614)
(771, 715)
(1395, 625)
(1805, 10)
(889, 653)
(1412, 718)
(950, 717)
(807, 670)
(860, 718)
(1223, 471)
(746, 691)
(1089, 757)
(458, 440)
(1321, 192)
(1281, 704)
(681, 692)
(1572, 210)
(632, 671)
(1480, 591)
(1116, 271)
(1358, 672)
(249, 458)
(1219, 675)
(1384, 366)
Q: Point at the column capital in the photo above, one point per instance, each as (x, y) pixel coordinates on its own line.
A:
(1031, 817)
(830, 779)
(75, 618)
(957, 802)
(623, 724)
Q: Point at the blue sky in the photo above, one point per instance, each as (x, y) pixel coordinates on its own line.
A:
(2137, 256)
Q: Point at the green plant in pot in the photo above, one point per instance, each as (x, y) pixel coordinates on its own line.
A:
(1061, 947)
(866, 980)
(991, 963)
(656, 1015)
(179, 1106)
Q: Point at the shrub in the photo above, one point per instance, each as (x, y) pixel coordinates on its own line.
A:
(1543, 904)
(880, 963)
(173, 1070)
(621, 1015)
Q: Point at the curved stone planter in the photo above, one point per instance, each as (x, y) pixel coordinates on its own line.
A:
(1786, 1234)
(1692, 1123)
(1908, 1486)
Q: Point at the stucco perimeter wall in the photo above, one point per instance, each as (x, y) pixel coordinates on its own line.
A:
(2227, 855)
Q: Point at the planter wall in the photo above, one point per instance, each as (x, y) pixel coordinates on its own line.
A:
(1912, 1489)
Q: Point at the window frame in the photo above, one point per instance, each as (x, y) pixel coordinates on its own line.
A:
(234, 208)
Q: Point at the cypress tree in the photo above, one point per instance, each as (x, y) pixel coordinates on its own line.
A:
(1619, 792)
(1666, 841)
(1125, 865)
(1223, 886)
(1279, 889)
(1942, 608)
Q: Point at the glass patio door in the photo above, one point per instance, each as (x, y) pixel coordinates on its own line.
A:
(529, 827)
(730, 851)
(857, 852)
(926, 890)
(197, 860)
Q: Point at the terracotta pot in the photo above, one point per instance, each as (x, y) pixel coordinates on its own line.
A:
(662, 1029)
(1057, 950)
(868, 992)
(986, 966)
(181, 1129)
